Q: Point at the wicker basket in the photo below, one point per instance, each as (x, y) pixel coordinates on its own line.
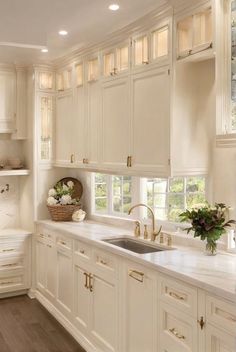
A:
(62, 212)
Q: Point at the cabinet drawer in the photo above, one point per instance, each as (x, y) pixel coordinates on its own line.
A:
(46, 236)
(10, 248)
(178, 331)
(105, 262)
(221, 313)
(12, 282)
(12, 263)
(179, 295)
(82, 250)
(64, 242)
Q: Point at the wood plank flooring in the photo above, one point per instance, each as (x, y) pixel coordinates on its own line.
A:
(26, 326)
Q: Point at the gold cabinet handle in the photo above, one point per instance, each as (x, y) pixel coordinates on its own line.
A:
(129, 161)
(86, 280)
(82, 251)
(41, 235)
(63, 243)
(145, 62)
(136, 275)
(85, 161)
(49, 246)
(90, 282)
(201, 323)
(175, 295)
(176, 334)
(103, 262)
(72, 158)
(8, 250)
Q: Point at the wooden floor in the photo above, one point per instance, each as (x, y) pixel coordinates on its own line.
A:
(25, 326)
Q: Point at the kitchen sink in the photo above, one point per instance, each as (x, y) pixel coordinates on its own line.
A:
(135, 245)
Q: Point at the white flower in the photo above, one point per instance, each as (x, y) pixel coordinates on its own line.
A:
(52, 192)
(51, 201)
(65, 188)
(70, 184)
(66, 199)
(78, 215)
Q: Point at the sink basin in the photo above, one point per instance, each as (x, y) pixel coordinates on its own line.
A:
(134, 245)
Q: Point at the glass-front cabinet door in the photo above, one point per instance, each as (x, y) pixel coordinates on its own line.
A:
(46, 127)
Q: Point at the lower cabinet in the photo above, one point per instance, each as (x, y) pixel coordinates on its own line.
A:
(140, 303)
(96, 313)
(116, 305)
(219, 341)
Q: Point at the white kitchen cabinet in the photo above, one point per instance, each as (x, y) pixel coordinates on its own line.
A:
(151, 121)
(64, 129)
(178, 331)
(218, 340)
(93, 118)
(115, 123)
(46, 261)
(64, 279)
(21, 104)
(7, 101)
(195, 32)
(140, 309)
(116, 61)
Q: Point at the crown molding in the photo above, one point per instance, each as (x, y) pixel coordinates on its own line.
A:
(140, 25)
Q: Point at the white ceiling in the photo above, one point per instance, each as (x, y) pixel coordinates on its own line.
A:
(36, 22)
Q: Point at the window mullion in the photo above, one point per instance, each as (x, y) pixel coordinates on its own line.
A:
(109, 194)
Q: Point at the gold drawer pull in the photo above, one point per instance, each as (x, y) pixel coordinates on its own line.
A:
(86, 280)
(136, 275)
(176, 334)
(48, 245)
(103, 262)
(6, 282)
(201, 323)
(72, 158)
(175, 295)
(8, 250)
(90, 282)
(63, 243)
(41, 235)
(9, 265)
(82, 251)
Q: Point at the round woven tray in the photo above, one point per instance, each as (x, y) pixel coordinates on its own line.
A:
(62, 212)
(78, 188)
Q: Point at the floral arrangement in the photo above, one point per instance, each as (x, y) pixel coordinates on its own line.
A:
(61, 194)
(208, 223)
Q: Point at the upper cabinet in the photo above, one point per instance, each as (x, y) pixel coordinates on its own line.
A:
(7, 100)
(93, 70)
(195, 33)
(64, 79)
(141, 50)
(116, 60)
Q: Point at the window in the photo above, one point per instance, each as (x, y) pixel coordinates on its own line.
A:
(233, 66)
(114, 195)
(170, 197)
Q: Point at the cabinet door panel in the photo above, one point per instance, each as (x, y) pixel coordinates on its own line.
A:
(51, 271)
(151, 121)
(82, 299)
(94, 122)
(116, 123)
(64, 128)
(64, 282)
(7, 101)
(141, 311)
(218, 341)
(40, 265)
(104, 315)
(79, 128)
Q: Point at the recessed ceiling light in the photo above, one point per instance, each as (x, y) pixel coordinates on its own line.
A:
(63, 32)
(45, 50)
(114, 7)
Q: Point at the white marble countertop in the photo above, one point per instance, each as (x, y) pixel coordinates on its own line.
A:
(216, 274)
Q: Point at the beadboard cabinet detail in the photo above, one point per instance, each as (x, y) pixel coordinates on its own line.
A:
(112, 304)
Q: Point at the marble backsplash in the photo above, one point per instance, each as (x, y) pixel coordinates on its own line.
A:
(9, 202)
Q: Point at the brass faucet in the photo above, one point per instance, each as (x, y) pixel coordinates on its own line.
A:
(154, 232)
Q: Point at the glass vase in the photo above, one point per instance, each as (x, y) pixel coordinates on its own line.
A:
(211, 248)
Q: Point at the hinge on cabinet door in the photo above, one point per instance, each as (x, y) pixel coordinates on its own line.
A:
(201, 323)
